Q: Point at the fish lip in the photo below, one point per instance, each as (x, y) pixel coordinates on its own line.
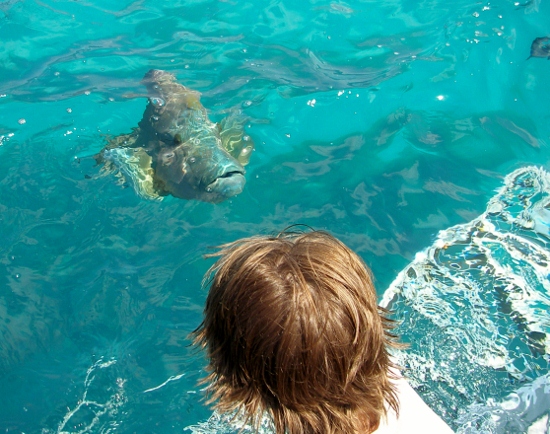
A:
(230, 170)
(230, 173)
(226, 175)
(228, 184)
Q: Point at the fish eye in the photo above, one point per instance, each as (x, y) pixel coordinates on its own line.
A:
(192, 160)
(157, 101)
(168, 158)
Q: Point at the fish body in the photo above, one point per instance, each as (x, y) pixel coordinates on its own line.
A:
(176, 149)
(540, 47)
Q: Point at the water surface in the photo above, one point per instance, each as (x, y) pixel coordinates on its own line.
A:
(383, 122)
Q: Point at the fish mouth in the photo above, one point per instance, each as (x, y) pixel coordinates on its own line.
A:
(228, 184)
(232, 173)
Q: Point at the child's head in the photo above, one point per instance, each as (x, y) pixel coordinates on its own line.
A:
(292, 327)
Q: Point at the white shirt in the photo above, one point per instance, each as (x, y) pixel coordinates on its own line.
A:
(414, 415)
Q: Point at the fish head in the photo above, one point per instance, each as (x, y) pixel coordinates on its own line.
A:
(191, 161)
(199, 169)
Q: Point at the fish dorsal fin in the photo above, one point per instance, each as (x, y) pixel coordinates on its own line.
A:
(132, 166)
(192, 99)
(167, 100)
(234, 140)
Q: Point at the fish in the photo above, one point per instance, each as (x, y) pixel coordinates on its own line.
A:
(540, 47)
(177, 150)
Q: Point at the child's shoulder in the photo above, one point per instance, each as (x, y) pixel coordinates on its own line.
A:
(415, 416)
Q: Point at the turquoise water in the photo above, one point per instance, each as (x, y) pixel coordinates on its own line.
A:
(383, 122)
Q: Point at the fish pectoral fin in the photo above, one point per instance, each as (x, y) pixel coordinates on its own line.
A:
(235, 140)
(160, 187)
(132, 166)
(123, 140)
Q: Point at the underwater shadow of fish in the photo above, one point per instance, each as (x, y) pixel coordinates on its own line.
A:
(540, 48)
(177, 150)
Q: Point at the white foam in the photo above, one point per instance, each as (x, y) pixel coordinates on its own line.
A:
(481, 296)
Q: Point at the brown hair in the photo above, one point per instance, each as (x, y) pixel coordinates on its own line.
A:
(292, 327)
